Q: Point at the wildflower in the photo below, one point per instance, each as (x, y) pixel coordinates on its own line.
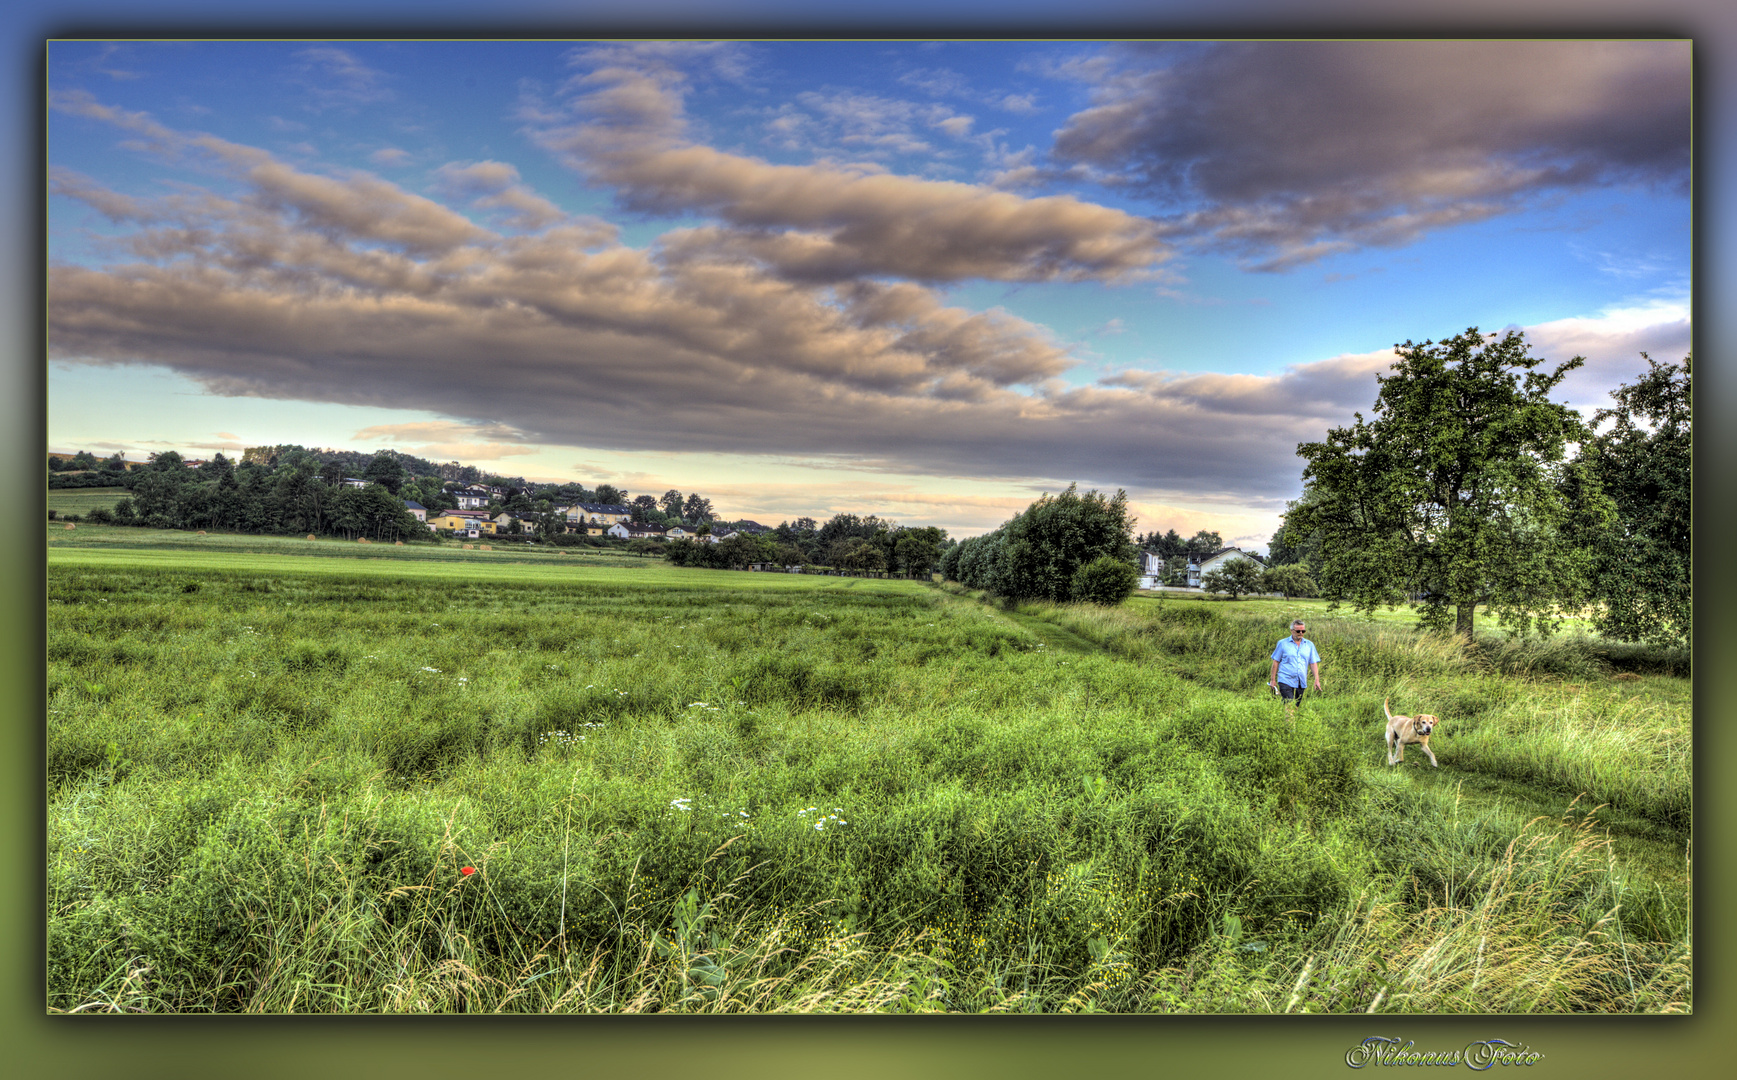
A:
(433, 669)
(681, 804)
(467, 871)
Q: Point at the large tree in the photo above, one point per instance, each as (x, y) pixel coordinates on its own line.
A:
(1038, 554)
(1642, 462)
(1458, 491)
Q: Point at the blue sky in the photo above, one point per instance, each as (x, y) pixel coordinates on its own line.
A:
(922, 280)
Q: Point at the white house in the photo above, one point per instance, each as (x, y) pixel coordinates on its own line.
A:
(417, 509)
(1216, 561)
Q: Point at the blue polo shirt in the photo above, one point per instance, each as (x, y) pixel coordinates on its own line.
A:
(1294, 660)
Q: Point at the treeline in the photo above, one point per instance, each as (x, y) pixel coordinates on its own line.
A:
(290, 489)
(1064, 548)
(298, 495)
(846, 542)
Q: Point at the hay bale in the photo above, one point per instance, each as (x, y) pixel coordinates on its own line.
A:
(361, 539)
(397, 543)
(201, 532)
(485, 547)
(70, 525)
(311, 536)
(467, 547)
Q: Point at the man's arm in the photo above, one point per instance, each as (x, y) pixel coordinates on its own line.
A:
(1273, 675)
(1316, 668)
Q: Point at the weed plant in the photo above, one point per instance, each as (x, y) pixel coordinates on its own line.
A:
(405, 787)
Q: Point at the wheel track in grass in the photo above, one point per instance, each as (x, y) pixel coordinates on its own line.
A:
(1052, 636)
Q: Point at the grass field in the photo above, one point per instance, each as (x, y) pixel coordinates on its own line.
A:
(82, 501)
(704, 791)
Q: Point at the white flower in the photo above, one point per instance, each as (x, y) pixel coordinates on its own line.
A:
(681, 804)
(433, 669)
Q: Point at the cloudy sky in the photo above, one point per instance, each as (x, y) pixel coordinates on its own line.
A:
(928, 281)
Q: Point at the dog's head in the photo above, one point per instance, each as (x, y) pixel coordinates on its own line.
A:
(1423, 725)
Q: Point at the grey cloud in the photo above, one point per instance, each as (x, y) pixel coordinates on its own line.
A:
(628, 134)
(1286, 151)
(355, 204)
(608, 347)
(494, 185)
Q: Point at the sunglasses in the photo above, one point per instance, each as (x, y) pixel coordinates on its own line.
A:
(1295, 631)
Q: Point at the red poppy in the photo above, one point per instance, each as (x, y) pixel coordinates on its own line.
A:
(467, 871)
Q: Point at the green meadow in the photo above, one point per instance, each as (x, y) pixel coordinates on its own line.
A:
(309, 776)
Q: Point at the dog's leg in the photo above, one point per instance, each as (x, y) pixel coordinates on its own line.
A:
(1431, 753)
(1388, 738)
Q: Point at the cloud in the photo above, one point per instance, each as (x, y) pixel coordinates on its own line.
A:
(1284, 152)
(623, 127)
(332, 78)
(449, 440)
(389, 156)
(1612, 342)
(494, 185)
(348, 289)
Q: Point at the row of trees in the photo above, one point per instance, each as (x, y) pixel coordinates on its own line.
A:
(1239, 577)
(293, 497)
(1468, 486)
(847, 542)
(176, 496)
(1062, 548)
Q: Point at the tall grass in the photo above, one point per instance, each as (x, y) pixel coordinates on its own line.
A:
(713, 794)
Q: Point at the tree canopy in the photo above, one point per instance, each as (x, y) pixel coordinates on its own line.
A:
(1458, 492)
(1642, 463)
(1039, 553)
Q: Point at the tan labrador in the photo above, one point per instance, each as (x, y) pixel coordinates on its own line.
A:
(1403, 731)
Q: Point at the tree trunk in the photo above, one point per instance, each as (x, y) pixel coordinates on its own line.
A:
(1463, 620)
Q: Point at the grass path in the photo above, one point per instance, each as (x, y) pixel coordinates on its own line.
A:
(1052, 636)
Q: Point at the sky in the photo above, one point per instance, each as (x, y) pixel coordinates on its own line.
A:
(926, 280)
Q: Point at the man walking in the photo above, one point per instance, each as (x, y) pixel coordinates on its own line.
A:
(1294, 659)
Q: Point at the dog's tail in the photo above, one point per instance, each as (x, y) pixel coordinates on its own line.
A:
(1384, 709)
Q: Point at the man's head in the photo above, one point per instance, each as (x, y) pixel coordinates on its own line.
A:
(1298, 630)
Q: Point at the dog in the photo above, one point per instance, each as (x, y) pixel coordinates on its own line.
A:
(1408, 730)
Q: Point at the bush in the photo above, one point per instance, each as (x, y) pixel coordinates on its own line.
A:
(1236, 577)
(1290, 581)
(1105, 580)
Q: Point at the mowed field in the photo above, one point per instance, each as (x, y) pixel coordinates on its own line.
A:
(82, 501)
(294, 776)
